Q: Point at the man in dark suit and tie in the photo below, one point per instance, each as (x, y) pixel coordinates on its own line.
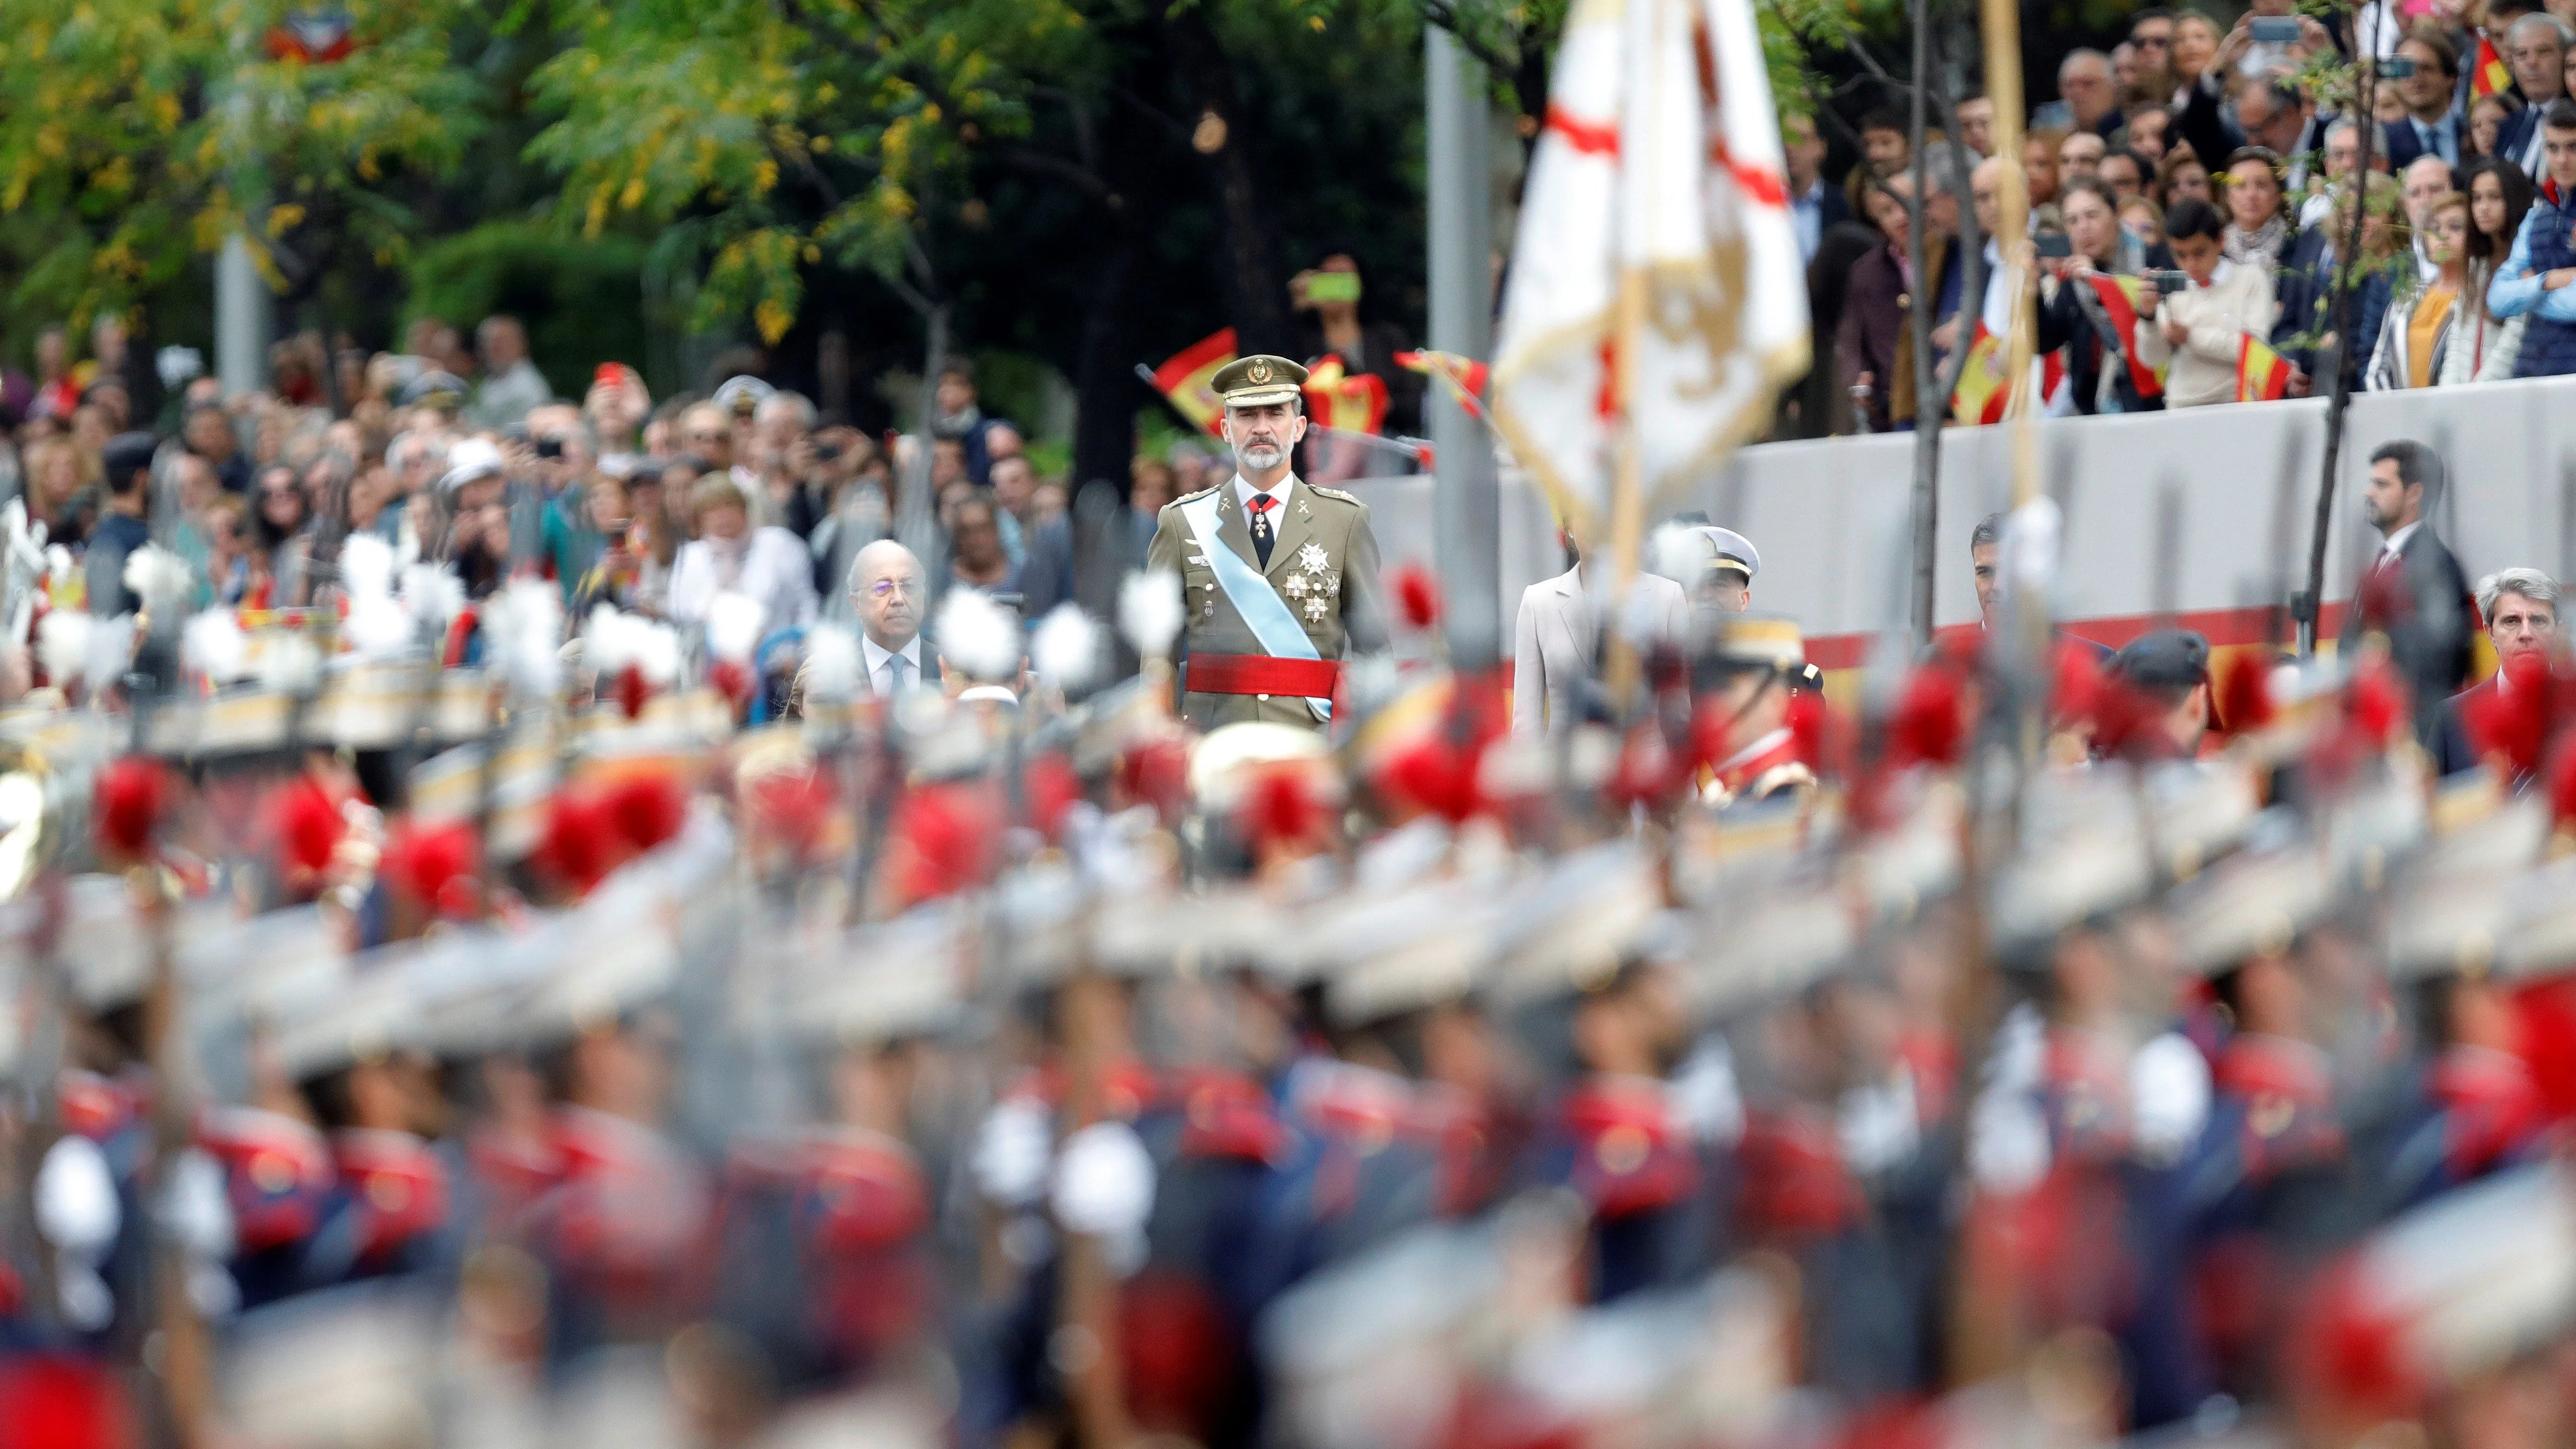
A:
(2413, 592)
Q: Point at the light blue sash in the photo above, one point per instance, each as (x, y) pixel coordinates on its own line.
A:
(1263, 611)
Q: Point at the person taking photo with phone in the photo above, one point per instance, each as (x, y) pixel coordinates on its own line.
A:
(1327, 298)
(2204, 310)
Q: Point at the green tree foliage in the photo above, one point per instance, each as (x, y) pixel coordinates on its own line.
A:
(139, 133)
(785, 133)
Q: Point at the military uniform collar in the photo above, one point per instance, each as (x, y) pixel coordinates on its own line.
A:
(1284, 491)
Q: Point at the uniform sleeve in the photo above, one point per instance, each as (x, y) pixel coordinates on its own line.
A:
(1364, 629)
(1165, 553)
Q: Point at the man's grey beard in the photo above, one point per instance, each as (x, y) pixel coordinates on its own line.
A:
(1255, 457)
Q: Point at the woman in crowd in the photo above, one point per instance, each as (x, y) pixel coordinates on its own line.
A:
(2419, 342)
(2307, 323)
(2140, 217)
(2257, 232)
(281, 537)
(2487, 116)
(2039, 162)
(2076, 317)
(2196, 40)
(2180, 177)
(2499, 196)
(62, 489)
(2147, 133)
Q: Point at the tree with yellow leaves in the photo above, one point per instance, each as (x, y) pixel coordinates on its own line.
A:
(138, 134)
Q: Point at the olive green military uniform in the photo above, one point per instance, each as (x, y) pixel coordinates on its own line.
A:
(1323, 566)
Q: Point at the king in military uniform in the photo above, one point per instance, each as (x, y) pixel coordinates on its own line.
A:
(1279, 577)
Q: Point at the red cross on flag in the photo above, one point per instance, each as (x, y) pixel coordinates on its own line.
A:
(1657, 298)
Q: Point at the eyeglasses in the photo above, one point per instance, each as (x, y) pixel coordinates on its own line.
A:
(888, 588)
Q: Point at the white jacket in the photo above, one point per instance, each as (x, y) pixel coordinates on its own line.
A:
(2238, 300)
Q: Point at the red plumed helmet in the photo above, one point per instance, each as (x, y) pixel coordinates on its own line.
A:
(2075, 682)
(131, 794)
(1052, 789)
(647, 810)
(1927, 728)
(793, 804)
(733, 679)
(633, 691)
(2354, 1355)
(1811, 728)
(579, 845)
(1647, 771)
(305, 815)
(1157, 773)
(1417, 593)
(943, 841)
(1280, 807)
(434, 865)
(53, 1401)
(2245, 693)
(2375, 701)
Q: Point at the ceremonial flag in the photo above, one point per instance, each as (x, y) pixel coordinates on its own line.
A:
(1350, 402)
(2262, 375)
(1188, 378)
(1654, 237)
(2120, 298)
(2489, 75)
(1464, 377)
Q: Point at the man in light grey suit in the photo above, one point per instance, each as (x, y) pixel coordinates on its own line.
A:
(1556, 643)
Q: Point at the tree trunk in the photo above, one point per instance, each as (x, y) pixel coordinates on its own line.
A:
(1257, 291)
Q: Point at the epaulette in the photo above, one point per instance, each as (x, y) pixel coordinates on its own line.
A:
(1323, 492)
(1195, 497)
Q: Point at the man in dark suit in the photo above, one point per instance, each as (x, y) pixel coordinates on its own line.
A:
(1814, 207)
(2535, 46)
(2520, 607)
(2413, 592)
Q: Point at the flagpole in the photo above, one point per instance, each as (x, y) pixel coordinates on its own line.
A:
(1627, 489)
(1984, 1330)
(2001, 22)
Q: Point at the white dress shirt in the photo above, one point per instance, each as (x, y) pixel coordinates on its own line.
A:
(1807, 215)
(881, 678)
(1244, 493)
(2389, 546)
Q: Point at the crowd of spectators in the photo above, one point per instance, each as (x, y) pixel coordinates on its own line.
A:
(2212, 167)
(464, 458)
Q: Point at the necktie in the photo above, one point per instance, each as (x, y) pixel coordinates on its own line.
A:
(894, 674)
(1261, 505)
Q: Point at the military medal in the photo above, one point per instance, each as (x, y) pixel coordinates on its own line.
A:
(1315, 610)
(1296, 585)
(1311, 558)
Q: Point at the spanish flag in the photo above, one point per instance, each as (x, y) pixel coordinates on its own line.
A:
(1188, 379)
(1982, 393)
(1350, 402)
(2488, 74)
(2120, 298)
(1981, 397)
(2262, 375)
(1465, 377)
